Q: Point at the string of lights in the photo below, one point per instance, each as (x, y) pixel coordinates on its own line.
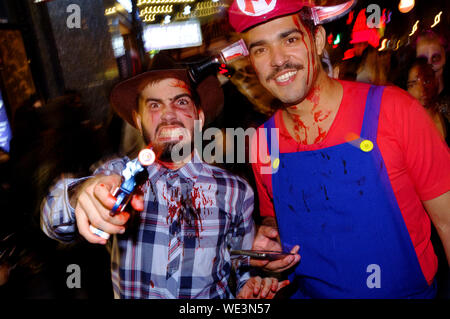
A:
(198, 13)
(156, 10)
(149, 18)
(147, 2)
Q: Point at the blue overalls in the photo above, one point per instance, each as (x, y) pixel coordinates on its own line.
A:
(337, 203)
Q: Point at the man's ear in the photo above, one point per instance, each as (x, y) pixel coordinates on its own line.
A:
(137, 121)
(320, 39)
(201, 118)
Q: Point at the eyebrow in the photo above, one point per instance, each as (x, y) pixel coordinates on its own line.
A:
(282, 35)
(176, 97)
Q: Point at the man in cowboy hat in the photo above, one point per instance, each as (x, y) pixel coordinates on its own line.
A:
(360, 172)
(190, 213)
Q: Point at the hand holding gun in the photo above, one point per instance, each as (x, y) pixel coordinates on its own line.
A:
(131, 178)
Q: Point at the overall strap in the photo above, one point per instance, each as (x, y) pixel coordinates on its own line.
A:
(372, 113)
(271, 138)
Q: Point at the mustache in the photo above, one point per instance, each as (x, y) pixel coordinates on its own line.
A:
(178, 123)
(287, 65)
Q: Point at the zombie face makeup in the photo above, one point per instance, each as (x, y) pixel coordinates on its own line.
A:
(166, 116)
(434, 53)
(283, 53)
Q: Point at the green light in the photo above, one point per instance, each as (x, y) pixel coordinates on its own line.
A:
(337, 40)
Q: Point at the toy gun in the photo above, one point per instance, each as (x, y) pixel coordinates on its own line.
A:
(132, 176)
(218, 62)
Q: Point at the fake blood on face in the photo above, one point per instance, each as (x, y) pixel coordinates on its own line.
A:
(181, 84)
(308, 51)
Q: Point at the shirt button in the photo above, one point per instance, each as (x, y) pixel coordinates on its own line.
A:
(366, 146)
(276, 163)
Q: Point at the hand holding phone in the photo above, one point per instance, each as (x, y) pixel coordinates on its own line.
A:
(261, 254)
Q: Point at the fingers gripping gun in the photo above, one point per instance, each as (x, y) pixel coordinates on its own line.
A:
(131, 178)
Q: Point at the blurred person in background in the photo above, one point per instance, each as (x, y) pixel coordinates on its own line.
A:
(363, 63)
(25, 150)
(23, 247)
(433, 48)
(423, 85)
(49, 138)
(374, 67)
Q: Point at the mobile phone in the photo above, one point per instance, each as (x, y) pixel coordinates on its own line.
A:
(261, 254)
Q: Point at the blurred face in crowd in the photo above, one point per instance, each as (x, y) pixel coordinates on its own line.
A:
(433, 52)
(422, 84)
(166, 115)
(284, 54)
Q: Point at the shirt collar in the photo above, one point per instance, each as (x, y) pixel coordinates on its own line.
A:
(191, 170)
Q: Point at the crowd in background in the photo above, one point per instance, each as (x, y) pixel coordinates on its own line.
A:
(419, 68)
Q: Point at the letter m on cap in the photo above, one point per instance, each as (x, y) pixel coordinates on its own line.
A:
(256, 7)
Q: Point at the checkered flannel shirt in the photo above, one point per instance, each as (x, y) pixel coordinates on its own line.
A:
(139, 258)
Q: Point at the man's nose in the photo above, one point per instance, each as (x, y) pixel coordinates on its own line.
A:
(278, 56)
(168, 112)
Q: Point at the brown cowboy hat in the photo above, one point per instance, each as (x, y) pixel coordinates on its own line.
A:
(124, 96)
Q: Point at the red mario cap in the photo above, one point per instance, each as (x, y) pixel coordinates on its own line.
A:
(244, 14)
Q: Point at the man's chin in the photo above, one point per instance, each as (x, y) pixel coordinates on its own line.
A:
(289, 99)
(289, 102)
(173, 152)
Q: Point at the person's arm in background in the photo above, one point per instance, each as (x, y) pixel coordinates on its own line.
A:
(267, 237)
(439, 211)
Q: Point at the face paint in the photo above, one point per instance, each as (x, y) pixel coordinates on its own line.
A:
(433, 51)
(297, 22)
(166, 111)
(280, 54)
(180, 84)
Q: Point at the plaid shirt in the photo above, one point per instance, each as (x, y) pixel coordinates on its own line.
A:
(214, 215)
